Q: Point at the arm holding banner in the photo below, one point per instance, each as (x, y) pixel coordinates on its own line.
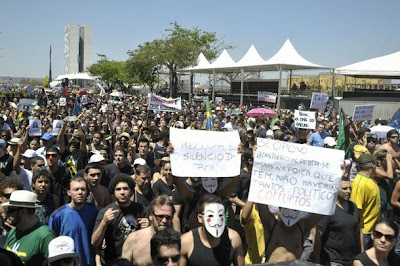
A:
(60, 137)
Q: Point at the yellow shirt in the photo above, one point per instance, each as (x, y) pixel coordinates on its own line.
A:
(254, 238)
(365, 194)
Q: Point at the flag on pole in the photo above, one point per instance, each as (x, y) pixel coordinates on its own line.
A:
(208, 115)
(343, 138)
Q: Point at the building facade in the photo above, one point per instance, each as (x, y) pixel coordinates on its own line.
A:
(77, 48)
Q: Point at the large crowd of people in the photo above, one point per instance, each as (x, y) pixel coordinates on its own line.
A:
(95, 187)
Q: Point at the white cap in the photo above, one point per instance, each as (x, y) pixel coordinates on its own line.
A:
(14, 141)
(140, 161)
(61, 247)
(29, 153)
(330, 141)
(96, 158)
(269, 133)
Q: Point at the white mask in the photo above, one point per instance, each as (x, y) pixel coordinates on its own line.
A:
(290, 217)
(210, 184)
(214, 219)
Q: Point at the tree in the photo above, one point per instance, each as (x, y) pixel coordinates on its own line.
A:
(177, 50)
(229, 77)
(113, 73)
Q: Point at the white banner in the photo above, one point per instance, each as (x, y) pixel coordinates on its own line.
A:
(200, 153)
(159, 103)
(266, 96)
(363, 112)
(35, 127)
(296, 176)
(318, 101)
(57, 125)
(303, 119)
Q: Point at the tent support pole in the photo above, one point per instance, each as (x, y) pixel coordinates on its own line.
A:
(213, 90)
(278, 106)
(191, 77)
(333, 88)
(241, 86)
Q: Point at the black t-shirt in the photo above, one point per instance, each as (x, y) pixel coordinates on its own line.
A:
(144, 199)
(6, 164)
(161, 188)
(125, 222)
(339, 241)
(59, 183)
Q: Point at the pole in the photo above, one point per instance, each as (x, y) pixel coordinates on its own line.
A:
(50, 78)
(241, 86)
(213, 90)
(333, 88)
(278, 106)
(191, 77)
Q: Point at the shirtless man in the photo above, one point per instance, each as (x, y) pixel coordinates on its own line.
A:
(98, 194)
(285, 236)
(211, 243)
(392, 147)
(137, 246)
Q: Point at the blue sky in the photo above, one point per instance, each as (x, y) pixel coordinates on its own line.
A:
(330, 33)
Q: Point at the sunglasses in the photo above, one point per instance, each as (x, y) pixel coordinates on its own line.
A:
(394, 137)
(161, 217)
(379, 235)
(164, 260)
(7, 196)
(51, 155)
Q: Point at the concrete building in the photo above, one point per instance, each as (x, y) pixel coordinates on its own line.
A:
(77, 48)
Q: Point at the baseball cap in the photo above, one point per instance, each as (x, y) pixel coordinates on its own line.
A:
(29, 153)
(124, 134)
(47, 136)
(140, 161)
(96, 158)
(61, 247)
(14, 141)
(330, 141)
(366, 158)
(359, 150)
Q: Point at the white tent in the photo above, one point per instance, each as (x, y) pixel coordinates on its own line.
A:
(202, 63)
(84, 76)
(384, 66)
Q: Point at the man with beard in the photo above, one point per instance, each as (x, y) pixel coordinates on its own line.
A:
(116, 221)
(211, 243)
(338, 237)
(137, 246)
(98, 194)
(366, 195)
(76, 220)
(29, 239)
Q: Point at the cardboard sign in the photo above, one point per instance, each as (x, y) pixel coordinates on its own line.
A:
(296, 176)
(63, 101)
(200, 153)
(303, 119)
(57, 125)
(31, 103)
(266, 96)
(159, 103)
(35, 127)
(363, 112)
(318, 101)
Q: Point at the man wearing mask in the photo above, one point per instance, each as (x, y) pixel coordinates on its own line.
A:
(211, 243)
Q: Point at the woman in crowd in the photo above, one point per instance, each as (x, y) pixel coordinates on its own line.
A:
(163, 182)
(384, 238)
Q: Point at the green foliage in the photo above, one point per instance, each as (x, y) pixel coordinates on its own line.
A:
(113, 73)
(177, 50)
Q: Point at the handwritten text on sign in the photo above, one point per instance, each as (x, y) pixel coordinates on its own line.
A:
(199, 153)
(318, 101)
(296, 176)
(304, 119)
(363, 112)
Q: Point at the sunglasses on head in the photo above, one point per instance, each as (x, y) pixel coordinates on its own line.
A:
(164, 260)
(379, 235)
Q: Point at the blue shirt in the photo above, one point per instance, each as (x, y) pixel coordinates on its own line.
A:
(77, 224)
(316, 140)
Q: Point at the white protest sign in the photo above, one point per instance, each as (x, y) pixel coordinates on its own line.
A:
(218, 99)
(318, 101)
(63, 101)
(363, 112)
(159, 103)
(31, 103)
(35, 127)
(303, 119)
(57, 125)
(200, 153)
(85, 100)
(296, 176)
(266, 96)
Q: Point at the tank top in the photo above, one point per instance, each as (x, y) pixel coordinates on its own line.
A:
(223, 254)
(364, 259)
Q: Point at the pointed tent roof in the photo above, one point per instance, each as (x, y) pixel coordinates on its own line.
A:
(223, 61)
(288, 57)
(202, 63)
(387, 65)
(251, 58)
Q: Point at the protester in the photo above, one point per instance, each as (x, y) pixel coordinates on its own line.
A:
(165, 247)
(62, 252)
